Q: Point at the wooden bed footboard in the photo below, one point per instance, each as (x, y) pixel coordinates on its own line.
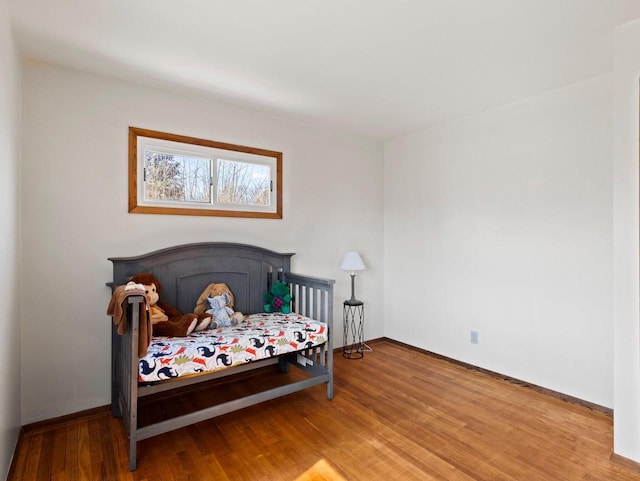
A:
(312, 297)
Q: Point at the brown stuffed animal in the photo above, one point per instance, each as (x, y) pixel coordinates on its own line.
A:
(214, 290)
(165, 319)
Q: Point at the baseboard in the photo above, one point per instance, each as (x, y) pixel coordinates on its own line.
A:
(503, 377)
(66, 418)
(625, 462)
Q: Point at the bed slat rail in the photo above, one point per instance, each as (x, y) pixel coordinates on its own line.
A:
(313, 297)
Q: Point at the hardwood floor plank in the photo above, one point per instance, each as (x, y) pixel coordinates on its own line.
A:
(33, 461)
(71, 470)
(397, 414)
(21, 457)
(84, 453)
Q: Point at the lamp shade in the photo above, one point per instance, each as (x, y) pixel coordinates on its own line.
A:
(352, 262)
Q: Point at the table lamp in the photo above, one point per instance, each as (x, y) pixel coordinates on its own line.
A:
(352, 262)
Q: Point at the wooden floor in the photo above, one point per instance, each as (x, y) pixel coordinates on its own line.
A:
(397, 415)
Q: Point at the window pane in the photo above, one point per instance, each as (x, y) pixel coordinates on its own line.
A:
(243, 183)
(177, 175)
(173, 177)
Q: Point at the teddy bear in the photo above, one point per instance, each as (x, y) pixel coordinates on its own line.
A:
(165, 319)
(217, 297)
(278, 299)
(221, 312)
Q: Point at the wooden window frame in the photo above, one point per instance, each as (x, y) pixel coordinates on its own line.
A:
(136, 208)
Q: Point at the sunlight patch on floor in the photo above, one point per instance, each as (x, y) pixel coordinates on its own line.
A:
(321, 471)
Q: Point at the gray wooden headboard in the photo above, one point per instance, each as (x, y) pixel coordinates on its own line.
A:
(185, 270)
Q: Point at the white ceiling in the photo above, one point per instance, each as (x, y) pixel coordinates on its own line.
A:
(381, 68)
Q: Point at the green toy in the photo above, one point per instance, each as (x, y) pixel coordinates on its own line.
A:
(278, 299)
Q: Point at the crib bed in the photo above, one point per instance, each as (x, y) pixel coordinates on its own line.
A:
(184, 271)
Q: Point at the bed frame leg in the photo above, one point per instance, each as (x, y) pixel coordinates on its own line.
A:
(115, 381)
(132, 454)
(330, 368)
(133, 429)
(283, 364)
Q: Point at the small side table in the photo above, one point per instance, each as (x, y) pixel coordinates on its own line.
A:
(353, 322)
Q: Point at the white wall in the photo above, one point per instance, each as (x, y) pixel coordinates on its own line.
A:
(75, 216)
(9, 242)
(626, 267)
(502, 223)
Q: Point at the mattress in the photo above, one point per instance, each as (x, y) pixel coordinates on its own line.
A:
(260, 336)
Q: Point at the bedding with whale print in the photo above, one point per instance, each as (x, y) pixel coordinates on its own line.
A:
(260, 336)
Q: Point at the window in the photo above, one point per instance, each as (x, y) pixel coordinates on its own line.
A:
(173, 174)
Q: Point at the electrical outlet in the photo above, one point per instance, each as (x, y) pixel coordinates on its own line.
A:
(474, 337)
